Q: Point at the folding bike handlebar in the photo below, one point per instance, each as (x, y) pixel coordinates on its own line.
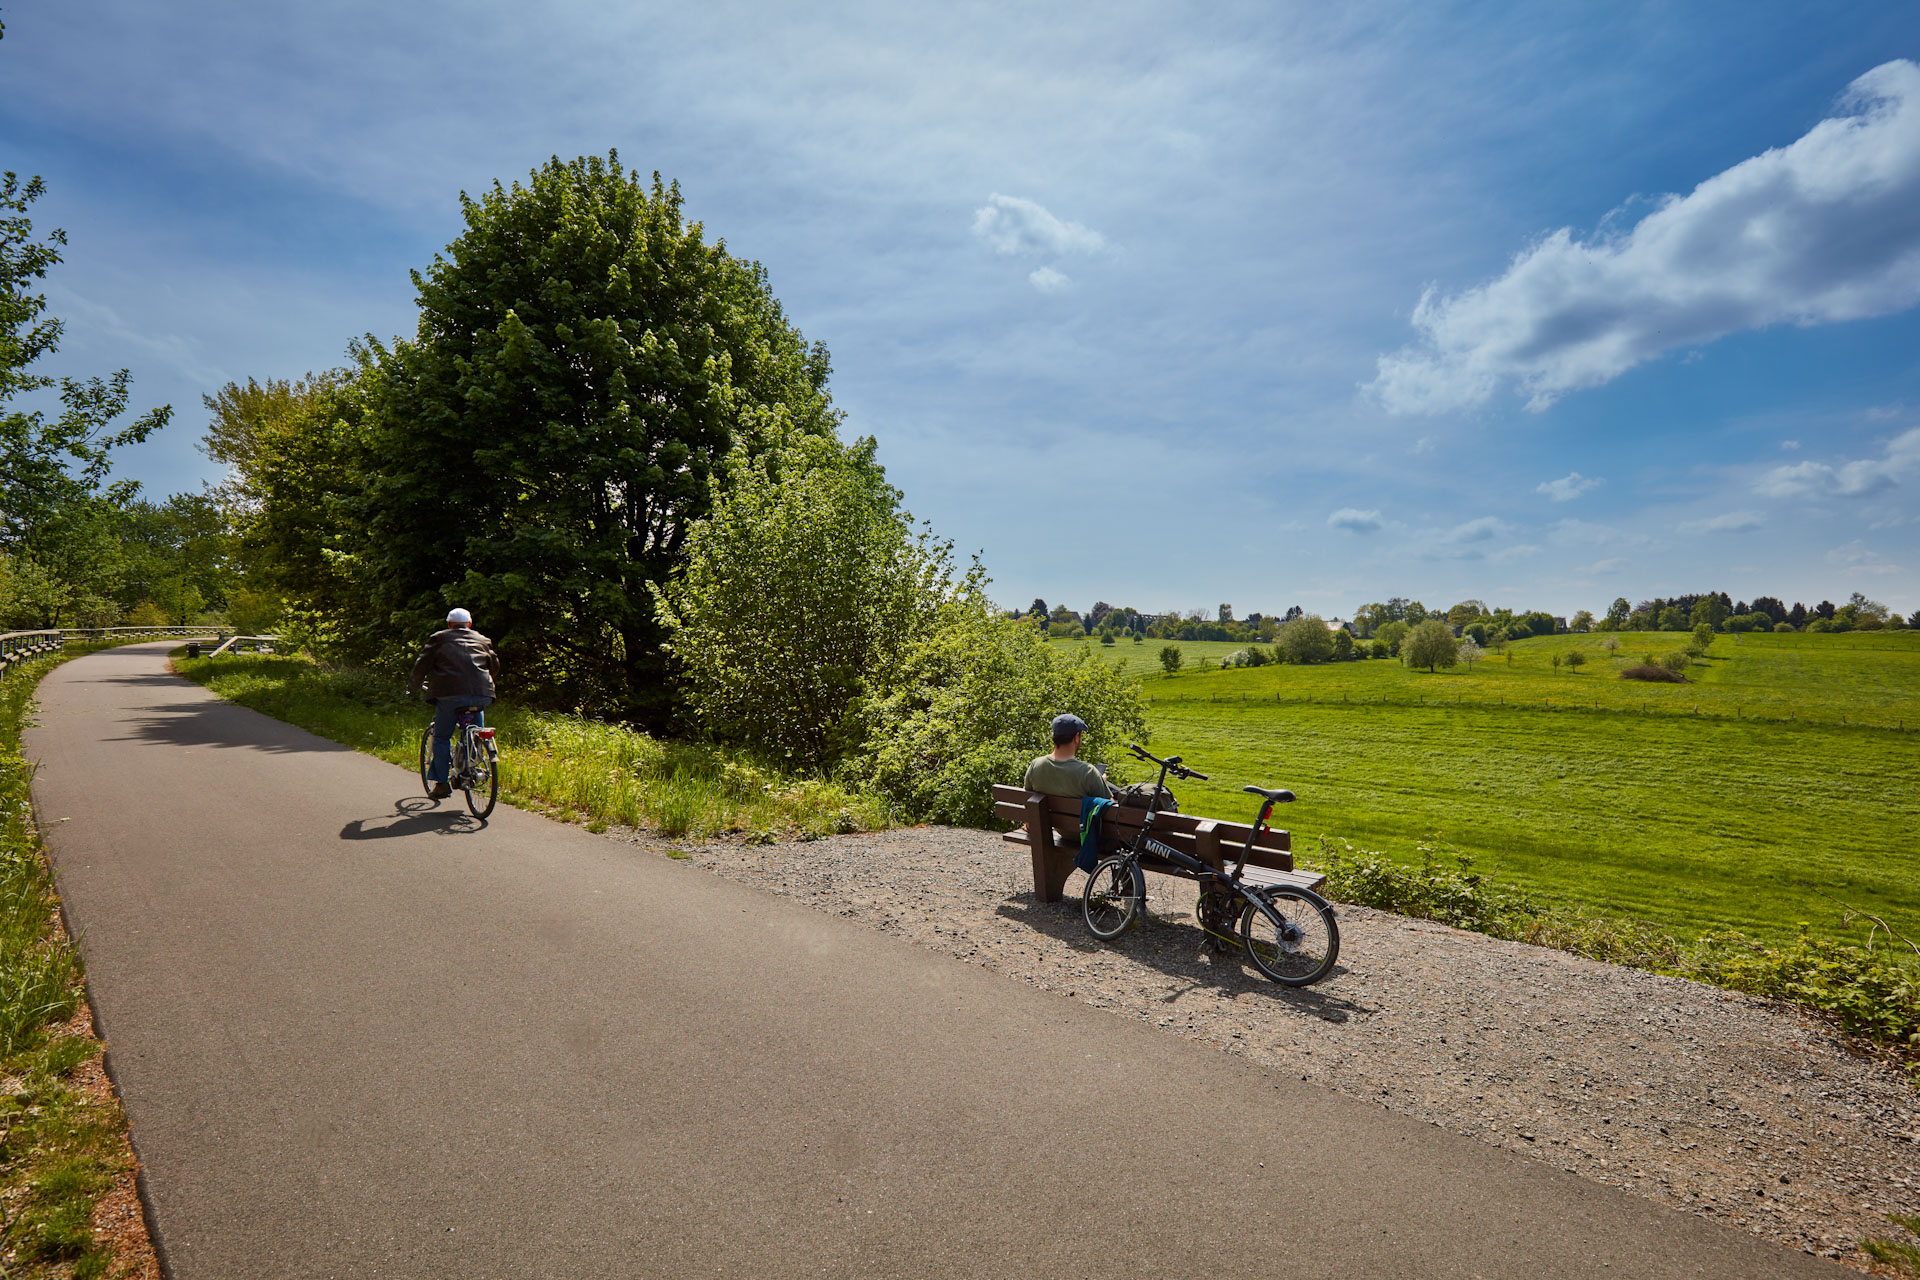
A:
(1171, 764)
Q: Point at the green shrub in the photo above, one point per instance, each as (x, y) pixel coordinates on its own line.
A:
(799, 590)
(1653, 674)
(1305, 639)
(969, 706)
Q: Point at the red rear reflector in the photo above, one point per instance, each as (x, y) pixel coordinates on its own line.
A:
(483, 733)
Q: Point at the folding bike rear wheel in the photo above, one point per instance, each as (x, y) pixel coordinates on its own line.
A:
(1291, 936)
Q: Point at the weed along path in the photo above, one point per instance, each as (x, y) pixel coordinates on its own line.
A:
(358, 1035)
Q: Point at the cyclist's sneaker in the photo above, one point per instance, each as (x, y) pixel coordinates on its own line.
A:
(440, 791)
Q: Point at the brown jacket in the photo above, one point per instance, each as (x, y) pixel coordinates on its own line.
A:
(457, 662)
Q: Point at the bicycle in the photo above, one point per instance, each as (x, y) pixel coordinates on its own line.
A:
(475, 767)
(1288, 931)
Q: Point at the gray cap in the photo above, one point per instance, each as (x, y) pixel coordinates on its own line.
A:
(1067, 727)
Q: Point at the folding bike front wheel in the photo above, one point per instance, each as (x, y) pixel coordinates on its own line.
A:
(1112, 898)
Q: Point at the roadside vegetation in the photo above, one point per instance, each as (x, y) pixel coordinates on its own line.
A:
(1869, 988)
(62, 1146)
(564, 765)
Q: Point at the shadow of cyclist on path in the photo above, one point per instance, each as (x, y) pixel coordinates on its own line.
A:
(414, 816)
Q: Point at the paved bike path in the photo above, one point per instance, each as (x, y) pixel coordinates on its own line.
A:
(359, 1035)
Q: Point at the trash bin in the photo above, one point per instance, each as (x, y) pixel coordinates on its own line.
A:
(193, 648)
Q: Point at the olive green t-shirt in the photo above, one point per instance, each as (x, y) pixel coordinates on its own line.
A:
(1052, 777)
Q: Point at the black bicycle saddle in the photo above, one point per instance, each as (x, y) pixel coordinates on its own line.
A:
(1279, 795)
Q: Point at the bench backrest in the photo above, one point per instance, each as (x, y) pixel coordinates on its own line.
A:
(1205, 838)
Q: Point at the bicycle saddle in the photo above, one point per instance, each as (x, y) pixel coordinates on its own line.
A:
(1279, 795)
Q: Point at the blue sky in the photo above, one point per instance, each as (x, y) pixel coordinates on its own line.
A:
(1267, 304)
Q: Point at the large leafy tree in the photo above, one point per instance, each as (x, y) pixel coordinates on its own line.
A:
(585, 362)
(56, 500)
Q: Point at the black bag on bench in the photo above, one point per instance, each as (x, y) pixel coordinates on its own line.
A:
(1140, 795)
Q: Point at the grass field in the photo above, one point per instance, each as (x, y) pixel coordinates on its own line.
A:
(1142, 658)
(1603, 794)
(1856, 679)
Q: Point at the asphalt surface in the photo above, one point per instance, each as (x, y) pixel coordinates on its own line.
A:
(360, 1035)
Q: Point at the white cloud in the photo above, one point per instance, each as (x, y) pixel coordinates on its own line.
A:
(1849, 479)
(1479, 530)
(1731, 522)
(1423, 445)
(1354, 520)
(1612, 564)
(1790, 446)
(1047, 280)
(1568, 487)
(1822, 230)
(1011, 225)
(1857, 561)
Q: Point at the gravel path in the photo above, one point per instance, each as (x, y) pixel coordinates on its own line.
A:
(1704, 1100)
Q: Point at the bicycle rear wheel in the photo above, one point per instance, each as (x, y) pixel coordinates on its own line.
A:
(1290, 936)
(426, 758)
(483, 776)
(1112, 898)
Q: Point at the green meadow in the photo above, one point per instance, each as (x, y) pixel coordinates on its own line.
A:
(1779, 787)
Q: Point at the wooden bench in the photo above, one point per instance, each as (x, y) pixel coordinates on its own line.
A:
(1050, 828)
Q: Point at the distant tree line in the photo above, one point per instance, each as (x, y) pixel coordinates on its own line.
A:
(1389, 621)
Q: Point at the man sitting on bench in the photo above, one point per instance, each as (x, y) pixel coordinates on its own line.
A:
(1062, 774)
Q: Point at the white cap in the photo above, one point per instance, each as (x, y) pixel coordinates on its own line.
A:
(459, 618)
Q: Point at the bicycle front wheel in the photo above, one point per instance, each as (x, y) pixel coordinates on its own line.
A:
(1112, 898)
(426, 758)
(1290, 936)
(483, 777)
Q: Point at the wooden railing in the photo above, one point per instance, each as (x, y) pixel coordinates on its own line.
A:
(23, 646)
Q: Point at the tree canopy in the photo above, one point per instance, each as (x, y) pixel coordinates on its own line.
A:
(1431, 645)
(585, 360)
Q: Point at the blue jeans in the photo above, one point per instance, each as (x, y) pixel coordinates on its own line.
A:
(446, 713)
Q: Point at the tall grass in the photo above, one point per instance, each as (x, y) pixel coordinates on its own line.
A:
(567, 766)
(60, 1150)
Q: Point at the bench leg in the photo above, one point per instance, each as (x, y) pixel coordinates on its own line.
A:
(1052, 860)
(1050, 872)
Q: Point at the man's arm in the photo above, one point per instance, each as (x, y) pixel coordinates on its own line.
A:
(421, 666)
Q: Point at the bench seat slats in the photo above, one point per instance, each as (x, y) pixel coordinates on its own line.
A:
(1010, 805)
(1254, 874)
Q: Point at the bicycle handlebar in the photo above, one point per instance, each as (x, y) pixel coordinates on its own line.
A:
(1171, 763)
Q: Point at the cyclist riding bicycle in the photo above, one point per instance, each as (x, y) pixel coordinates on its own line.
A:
(458, 668)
